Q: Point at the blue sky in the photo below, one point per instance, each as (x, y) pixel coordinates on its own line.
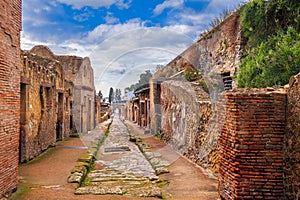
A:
(123, 38)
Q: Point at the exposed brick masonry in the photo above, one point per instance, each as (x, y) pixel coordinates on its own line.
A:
(10, 27)
(251, 145)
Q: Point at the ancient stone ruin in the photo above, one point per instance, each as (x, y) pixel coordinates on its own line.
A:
(57, 99)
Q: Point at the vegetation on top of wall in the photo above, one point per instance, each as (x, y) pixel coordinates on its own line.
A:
(219, 19)
(191, 74)
(272, 29)
(143, 81)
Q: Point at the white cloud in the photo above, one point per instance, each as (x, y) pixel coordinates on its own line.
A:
(110, 19)
(105, 31)
(27, 42)
(119, 60)
(84, 15)
(167, 4)
(200, 20)
(78, 4)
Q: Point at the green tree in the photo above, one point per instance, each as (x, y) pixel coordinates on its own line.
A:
(111, 95)
(143, 81)
(118, 95)
(100, 94)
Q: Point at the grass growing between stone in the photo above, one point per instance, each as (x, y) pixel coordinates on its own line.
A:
(21, 192)
(85, 162)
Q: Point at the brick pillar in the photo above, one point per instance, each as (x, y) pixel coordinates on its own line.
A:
(251, 145)
(10, 65)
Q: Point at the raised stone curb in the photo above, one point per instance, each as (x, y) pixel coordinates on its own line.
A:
(129, 174)
(159, 165)
(82, 166)
(85, 161)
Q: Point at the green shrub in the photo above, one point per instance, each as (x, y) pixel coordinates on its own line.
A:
(272, 29)
(273, 62)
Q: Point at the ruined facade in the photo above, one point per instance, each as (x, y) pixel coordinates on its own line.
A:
(42, 104)
(142, 115)
(47, 99)
(84, 111)
(137, 110)
(184, 110)
(186, 114)
(10, 27)
(217, 52)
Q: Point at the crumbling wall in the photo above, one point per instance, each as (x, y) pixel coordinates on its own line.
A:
(186, 117)
(42, 80)
(292, 141)
(47, 98)
(71, 65)
(251, 145)
(10, 27)
(217, 51)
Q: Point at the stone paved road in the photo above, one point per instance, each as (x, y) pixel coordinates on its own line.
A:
(187, 180)
(45, 178)
(121, 168)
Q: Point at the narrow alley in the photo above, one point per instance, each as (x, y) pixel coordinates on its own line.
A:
(122, 170)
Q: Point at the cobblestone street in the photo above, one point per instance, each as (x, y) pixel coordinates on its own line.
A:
(135, 164)
(129, 165)
(121, 168)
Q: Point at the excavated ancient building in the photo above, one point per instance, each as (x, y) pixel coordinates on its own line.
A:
(182, 106)
(248, 137)
(51, 89)
(84, 111)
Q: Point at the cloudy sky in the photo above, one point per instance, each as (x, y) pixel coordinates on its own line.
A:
(123, 38)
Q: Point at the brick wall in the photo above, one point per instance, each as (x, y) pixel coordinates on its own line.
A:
(251, 145)
(10, 26)
(292, 141)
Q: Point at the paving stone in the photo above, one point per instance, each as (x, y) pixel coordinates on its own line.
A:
(130, 173)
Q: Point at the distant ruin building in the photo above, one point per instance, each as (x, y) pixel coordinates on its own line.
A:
(51, 89)
(84, 94)
(10, 27)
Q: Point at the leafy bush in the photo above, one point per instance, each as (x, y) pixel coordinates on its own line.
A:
(261, 18)
(273, 62)
(190, 74)
(272, 28)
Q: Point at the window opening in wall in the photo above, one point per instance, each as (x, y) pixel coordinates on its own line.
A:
(59, 117)
(227, 80)
(42, 100)
(71, 116)
(23, 105)
(48, 98)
